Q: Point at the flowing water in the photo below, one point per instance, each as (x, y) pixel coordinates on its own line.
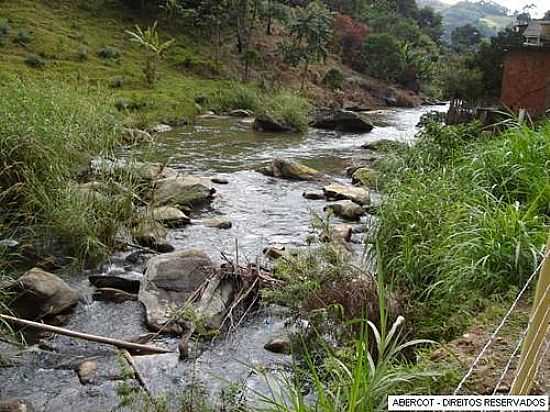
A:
(263, 211)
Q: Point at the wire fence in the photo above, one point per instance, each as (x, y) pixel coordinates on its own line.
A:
(532, 350)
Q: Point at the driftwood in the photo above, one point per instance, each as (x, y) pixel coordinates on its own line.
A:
(136, 347)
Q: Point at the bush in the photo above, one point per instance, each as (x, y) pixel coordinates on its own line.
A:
(117, 82)
(22, 37)
(334, 79)
(465, 216)
(35, 61)
(235, 97)
(109, 53)
(49, 131)
(290, 108)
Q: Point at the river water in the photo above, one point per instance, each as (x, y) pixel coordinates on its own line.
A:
(263, 211)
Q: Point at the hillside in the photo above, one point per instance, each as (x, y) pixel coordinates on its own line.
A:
(88, 44)
(488, 16)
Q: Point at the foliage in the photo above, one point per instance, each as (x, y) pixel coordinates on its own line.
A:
(459, 81)
(149, 40)
(431, 22)
(350, 36)
(48, 132)
(466, 37)
(22, 37)
(382, 56)
(289, 107)
(464, 216)
(82, 54)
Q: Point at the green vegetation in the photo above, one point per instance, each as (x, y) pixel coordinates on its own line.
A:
(48, 134)
(465, 215)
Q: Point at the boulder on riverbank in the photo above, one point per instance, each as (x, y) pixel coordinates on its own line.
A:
(267, 123)
(169, 281)
(40, 294)
(288, 169)
(152, 235)
(365, 176)
(346, 209)
(168, 216)
(343, 121)
(183, 191)
(357, 195)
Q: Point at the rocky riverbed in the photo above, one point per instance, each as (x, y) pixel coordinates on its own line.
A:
(221, 159)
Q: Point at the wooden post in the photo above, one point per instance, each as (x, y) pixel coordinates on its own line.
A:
(531, 350)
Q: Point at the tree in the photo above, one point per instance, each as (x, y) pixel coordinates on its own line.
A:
(466, 37)
(154, 48)
(382, 57)
(546, 15)
(350, 36)
(310, 33)
(460, 81)
(431, 23)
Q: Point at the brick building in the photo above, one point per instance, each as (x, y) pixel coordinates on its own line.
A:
(526, 80)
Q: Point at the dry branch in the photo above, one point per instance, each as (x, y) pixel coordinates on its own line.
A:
(92, 338)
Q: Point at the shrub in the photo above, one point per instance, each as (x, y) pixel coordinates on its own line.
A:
(235, 97)
(22, 37)
(82, 54)
(334, 79)
(117, 82)
(109, 53)
(289, 108)
(350, 36)
(35, 61)
(48, 133)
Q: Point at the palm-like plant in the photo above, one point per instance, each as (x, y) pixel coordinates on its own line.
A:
(149, 39)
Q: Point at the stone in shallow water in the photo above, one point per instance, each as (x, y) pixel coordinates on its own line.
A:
(346, 209)
(279, 345)
(169, 281)
(310, 195)
(343, 121)
(183, 191)
(342, 192)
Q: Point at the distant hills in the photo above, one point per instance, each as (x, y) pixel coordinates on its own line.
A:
(488, 16)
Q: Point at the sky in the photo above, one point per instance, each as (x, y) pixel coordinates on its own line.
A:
(541, 5)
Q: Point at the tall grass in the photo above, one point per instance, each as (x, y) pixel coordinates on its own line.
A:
(49, 131)
(465, 219)
(285, 106)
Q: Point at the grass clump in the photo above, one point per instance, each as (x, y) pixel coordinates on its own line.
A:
(34, 61)
(48, 133)
(289, 108)
(109, 53)
(464, 220)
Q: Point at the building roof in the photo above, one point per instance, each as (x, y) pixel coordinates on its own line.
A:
(538, 28)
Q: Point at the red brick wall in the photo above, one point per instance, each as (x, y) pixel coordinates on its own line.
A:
(526, 81)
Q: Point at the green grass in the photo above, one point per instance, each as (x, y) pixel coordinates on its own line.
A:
(49, 131)
(464, 220)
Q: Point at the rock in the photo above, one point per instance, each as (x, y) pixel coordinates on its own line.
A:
(341, 192)
(122, 282)
(279, 345)
(169, 281)
(343, 121)
(365, 176)
(150, 234)
(161, 128)
(10, 245)
(86, 372)
(215, 301)
(113, 295)
(274, 252)
(383, 145)
(15, 405)
(169, 216)
(183, 191)
(341, 233)
(241, 113)
(267, 123)
(218, 223)
(313, 195)
(346, 209)
(152, 171)
(142, 170)
(292, 170)
(133, 136)
(219, 180)
(39, 294)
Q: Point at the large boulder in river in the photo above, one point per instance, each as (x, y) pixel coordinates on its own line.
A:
(346, 209)
(343, 121)
(342, 192)
(183, 191)
(169, 281)
(267, 123)
(288, 169)
(40, 294)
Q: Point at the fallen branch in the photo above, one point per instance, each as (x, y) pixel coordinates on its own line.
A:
(93, 338)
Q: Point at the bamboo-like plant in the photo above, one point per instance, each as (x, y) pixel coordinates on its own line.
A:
(155, 49)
